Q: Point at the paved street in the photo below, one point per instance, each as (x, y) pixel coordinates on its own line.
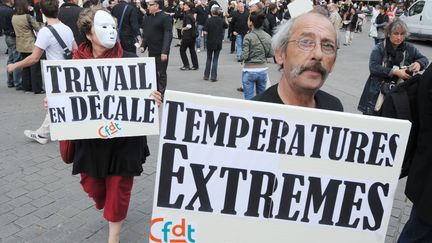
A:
(40, 201)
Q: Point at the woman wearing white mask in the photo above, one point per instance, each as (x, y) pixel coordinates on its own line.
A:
(107, 166)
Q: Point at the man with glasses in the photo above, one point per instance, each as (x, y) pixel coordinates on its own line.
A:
(305, 48)
(157, 37)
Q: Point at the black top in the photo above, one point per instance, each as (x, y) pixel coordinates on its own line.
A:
(106, 157)
(201, 15)
(129, 27)
(188, 19)
(215, 32)
(157, 33)
(323, 100)
(419, 183)
(68, 14)
(239, 22)
(6, 14)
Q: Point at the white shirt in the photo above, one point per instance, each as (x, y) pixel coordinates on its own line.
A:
(46, 41)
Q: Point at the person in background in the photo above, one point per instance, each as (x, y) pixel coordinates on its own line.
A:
(387, 64)
(380, 22)
(335, 19)
(25, 27)
(349, 33)
(214, 31)
(231, 9)
(68, 14)
(188, 38)
(178, 21)
(107, 166)
(46, 43)
(157, 38)
(272, 17)
(256, 49)
(240, 27)
(306, 49)
(6, 14)
(127, 18)
(201, 16)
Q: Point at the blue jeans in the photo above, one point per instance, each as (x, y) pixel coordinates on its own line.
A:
(415, 231)
(198, 38)
(251, 80)
(212, 60)
(239, 45)
(13, 79)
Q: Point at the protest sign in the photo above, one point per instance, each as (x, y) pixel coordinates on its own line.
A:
(235, 171)
(101, 98)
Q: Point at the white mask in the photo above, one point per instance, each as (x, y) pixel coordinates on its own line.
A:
(105, 29)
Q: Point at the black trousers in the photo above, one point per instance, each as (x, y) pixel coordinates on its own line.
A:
(31, 76)
(185, 44)
(161, 72)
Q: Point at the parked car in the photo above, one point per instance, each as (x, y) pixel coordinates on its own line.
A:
(419, 20)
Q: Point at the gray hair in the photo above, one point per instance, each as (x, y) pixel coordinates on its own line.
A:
(396, 24)
(284, 32)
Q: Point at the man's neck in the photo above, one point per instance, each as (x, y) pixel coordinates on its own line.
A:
(52, 21)
(291, 96)
(157, 12)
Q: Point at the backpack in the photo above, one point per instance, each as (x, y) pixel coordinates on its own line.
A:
(401, 103)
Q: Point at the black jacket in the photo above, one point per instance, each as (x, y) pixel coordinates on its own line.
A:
(157, 33)
(215, 32)
(129, 27)
(68, 15)
(419, 184)
(6, 14)
(239, 22)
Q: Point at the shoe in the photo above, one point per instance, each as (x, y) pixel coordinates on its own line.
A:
(19, 88)
(240, 89)
(205, 78)
(40, 92)
(33, 135)
(345, 44)
(194, 68)
(11, 85)
(185, 68)
(177, 45)
(238, 60)
(231, 52)
(214, 80)
(198, 50)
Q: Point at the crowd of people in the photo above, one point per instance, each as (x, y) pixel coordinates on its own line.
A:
(305, 48)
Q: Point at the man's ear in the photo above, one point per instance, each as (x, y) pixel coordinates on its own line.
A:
(279, 56)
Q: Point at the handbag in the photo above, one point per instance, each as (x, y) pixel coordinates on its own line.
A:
(67, 150)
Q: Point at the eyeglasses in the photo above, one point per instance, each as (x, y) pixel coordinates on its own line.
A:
(307, 44)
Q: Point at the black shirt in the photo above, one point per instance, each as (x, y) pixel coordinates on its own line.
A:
(189, 19)
(239, 22)
(323, 100)
(157, 33)
(68, 14)
(215, 34)
(129, 27)
(6, 14)
(201, 15)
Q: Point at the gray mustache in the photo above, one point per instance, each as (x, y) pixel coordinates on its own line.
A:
(315, 67)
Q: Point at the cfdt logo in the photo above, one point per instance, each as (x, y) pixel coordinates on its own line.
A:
(162, 231)
(109, 130)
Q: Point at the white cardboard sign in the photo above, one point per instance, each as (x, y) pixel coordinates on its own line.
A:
(233, 171)
(101, 98)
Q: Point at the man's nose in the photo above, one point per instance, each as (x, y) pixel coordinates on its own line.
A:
(317, 53)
